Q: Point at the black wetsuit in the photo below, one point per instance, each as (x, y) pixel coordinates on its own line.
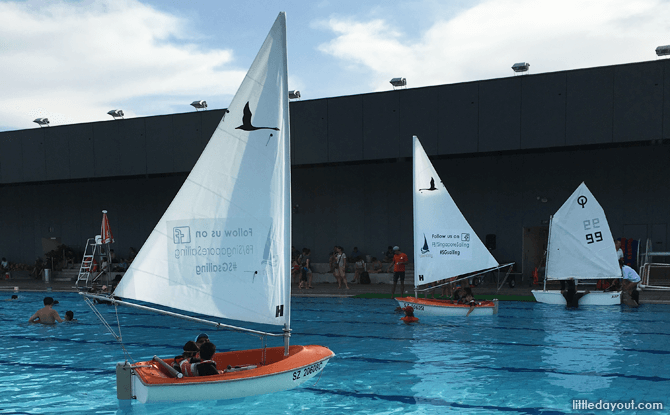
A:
(572, 298)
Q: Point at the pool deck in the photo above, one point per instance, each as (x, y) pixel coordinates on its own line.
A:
(522, 291)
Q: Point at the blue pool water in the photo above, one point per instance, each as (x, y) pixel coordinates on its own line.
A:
(529, 359)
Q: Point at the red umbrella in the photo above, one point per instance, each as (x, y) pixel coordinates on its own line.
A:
(106, 231)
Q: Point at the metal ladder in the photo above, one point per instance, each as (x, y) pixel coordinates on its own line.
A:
(86, 273)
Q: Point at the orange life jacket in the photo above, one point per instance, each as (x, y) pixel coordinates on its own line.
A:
(187, 367)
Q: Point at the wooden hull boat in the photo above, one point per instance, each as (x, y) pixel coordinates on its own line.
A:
(150, 382)
(592, 298)
(432, 307)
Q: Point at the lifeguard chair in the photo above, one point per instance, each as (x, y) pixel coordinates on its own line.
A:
(90, 271)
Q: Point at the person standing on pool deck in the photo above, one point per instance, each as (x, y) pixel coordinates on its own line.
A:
(399, 262)
(46, 314)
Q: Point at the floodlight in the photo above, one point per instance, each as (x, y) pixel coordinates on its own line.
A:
(520, 67)
(663, 50)
(43, 122)
(199, 105)
(294, 94)
(398, 82)
(116, 113)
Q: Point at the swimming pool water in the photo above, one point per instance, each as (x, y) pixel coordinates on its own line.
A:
(529, 359)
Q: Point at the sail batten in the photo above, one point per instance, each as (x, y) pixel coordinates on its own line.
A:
(445, 245)
(580, 240)
(221, 247)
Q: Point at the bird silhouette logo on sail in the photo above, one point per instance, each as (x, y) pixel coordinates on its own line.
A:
(246, 122)
(432, 186)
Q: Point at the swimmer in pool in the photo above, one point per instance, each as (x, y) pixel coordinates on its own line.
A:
(571, 295)
(46, 314)
(69, 316)
(409, 315)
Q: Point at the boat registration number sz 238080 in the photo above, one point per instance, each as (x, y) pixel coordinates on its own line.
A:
(307, 371)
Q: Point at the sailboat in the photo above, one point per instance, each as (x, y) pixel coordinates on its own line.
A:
(445, 246)
(221, 249)
(580, 247)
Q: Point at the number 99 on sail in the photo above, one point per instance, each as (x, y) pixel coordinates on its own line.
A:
(590, 237)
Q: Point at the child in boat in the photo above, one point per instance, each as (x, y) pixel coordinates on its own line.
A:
(182, 363)
(469, 298)
(458, 294)
(207, 367)
(409, 315)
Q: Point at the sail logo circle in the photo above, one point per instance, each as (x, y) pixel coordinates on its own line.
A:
(581, 201)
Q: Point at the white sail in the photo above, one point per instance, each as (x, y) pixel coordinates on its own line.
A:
(445, 245)
(221, 248)
(580, 241)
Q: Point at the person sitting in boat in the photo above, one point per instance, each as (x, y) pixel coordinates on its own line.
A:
(571, 295)
(46, 314)
(207, 367)
(409, 315)
(458, 295)
(182, 363)
(469, 299)
(201, 339)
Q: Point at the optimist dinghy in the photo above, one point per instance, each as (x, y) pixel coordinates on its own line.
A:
(445, 246)
(580, 247)
(221, 249)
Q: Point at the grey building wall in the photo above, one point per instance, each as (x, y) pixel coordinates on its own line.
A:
(370, 205)
(497, 144)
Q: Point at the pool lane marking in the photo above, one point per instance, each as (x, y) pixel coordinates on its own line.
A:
(413, 400)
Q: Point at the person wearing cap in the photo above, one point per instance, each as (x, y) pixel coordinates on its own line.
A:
(409, 315)
(399, 262)
(46, 314)
(183, 362)
(201, 339)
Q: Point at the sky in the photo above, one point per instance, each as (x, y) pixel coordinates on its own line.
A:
(73, 61)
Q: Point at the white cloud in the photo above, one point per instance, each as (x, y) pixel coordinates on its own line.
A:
(484, 41)
(73, 62)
